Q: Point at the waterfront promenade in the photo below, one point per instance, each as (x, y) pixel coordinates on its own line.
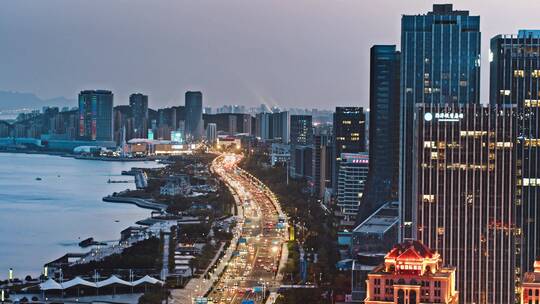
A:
(140, 202)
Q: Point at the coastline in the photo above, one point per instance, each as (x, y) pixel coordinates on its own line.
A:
(53, 179)
(76, 156)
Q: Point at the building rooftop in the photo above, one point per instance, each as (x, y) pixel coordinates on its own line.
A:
(380, 221)
(408, 250)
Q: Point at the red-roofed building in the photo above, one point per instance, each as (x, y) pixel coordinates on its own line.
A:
(530, 289)
(411, 274)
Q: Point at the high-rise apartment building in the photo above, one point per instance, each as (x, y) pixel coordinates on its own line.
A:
(263, 122)
(193, 121)
(463, 194)
(232, 123)
(96, 115)
(139, 110)
(301, 129)
(383, 128)
(440, 63)
(352, 177)
(412, 273)
(349, 131)
(515, 79)
(274, 126)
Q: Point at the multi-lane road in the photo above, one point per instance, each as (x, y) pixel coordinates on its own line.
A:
(253, 267)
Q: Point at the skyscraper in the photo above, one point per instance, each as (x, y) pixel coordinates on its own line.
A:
(193, 121)
(301, 130)
(440, 63)
(515, 80)
(463, 194)
(383, 129)
(139, 109)
(349, 135)
(96, 115)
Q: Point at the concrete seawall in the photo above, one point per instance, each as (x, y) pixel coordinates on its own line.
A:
(143, 203)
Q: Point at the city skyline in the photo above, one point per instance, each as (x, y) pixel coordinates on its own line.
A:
(291, 170)
(318, 68)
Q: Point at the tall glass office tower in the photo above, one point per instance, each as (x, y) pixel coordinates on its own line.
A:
(515, 79)
(383, 129)
(440, 63)
(194, 122)
(464, 194)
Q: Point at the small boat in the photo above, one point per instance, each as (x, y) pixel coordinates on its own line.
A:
(116, 221)
(38, 178)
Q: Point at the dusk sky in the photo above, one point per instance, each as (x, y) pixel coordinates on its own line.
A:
(301, 53)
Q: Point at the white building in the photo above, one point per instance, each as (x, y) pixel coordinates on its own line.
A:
(352, 176)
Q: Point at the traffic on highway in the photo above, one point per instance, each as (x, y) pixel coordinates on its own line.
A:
(253, 269)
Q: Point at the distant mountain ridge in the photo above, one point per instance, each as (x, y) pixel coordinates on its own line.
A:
(18, 100)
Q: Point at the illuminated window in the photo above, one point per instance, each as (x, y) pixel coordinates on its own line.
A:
(434, 155)
(346, 122)
(504, 144)
(472, 133)
(535, 73)
(531, 182)
(531, 103)
(519, 73)
(429, 144)
(505, 92)
(428, 198)
(463, 83)
(532, 142)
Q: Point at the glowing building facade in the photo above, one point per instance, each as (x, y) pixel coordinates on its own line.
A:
(412, 273)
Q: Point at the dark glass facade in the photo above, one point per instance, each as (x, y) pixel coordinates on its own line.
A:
(139, 109)
(383, 129)
(96, 115)
(515, 80)
(463, 198)
(440, 63)
(193, 122)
